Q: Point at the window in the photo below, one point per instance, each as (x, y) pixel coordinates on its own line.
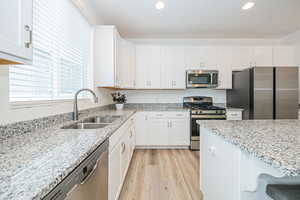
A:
(61, 49)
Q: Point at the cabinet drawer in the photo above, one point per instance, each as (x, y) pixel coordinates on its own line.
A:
(234, 115)
(169, 115)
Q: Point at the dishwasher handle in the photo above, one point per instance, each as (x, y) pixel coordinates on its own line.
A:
(92, 172)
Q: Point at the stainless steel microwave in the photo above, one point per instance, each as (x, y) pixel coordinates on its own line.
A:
(201, 78)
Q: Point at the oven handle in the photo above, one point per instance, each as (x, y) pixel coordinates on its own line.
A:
(208, 116)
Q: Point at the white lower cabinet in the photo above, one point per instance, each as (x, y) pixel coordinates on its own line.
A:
(234, 114)
(121, 147)
(162, 129)
(219, 168)
(115, 172)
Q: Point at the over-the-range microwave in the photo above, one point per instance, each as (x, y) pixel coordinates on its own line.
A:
(202, 78)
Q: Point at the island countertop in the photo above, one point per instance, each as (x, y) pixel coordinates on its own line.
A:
(275, 142)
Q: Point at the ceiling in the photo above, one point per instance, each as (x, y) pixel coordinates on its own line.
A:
(200, 18)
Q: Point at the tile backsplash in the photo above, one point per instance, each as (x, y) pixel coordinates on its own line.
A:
(172, 96)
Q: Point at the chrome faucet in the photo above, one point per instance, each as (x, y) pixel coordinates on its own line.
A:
(75, 110)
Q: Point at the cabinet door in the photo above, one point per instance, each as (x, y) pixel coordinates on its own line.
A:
(200, 57)
(219, 179)
(224, 57)
(132, 141)
(173, 68)
(118, 58)
(125, 150)
(127, 65)
(148, 66)
(241, 58)
(159, 132)
(114, 172)
(16, 26)
(142, 129)
(263, 56)
(179, 132)
(284, 56)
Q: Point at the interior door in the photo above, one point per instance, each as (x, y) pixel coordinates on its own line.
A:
(16, 17)
(263, 93)
(287, 93)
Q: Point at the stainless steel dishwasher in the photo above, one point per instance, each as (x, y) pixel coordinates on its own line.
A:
(89, 181)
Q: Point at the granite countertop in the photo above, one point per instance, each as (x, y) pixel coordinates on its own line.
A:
(275, 142)
(32, 164)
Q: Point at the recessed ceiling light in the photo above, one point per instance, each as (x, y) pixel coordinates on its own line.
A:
(160, 5)
(248, 5)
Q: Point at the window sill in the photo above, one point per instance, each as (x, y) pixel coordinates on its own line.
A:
(44, 103)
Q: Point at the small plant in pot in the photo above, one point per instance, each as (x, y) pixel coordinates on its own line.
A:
(119, 99)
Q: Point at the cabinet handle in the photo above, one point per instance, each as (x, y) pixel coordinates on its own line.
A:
(123, 147)
(171, 124)
(92, 172)
(28, 29)
(131, 134)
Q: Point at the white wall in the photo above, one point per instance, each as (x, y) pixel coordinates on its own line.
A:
(172, 96)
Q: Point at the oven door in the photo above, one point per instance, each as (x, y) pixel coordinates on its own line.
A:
(195, 128)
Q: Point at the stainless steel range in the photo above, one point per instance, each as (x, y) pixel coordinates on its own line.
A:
(202, 108)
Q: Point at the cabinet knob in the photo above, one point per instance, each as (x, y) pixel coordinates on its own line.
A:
(212, 150)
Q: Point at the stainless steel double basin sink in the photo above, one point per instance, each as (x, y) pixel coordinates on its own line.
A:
(97, 122)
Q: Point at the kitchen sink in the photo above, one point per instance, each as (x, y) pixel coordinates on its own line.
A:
(102, 119)
(86, 126)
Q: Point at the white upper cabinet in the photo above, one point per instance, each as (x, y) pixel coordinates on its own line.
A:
(16, 31)
(225, 59)
(284, 56)
(262, 56)
(148, 67)
(200, 57)
(107, 50)
(173, 68)
(241, 57)
(127, 65)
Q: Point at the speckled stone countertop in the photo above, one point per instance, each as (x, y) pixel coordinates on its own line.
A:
(275, 142)
(33, 163)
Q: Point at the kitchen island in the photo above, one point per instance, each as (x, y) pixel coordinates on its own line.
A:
(240, 158)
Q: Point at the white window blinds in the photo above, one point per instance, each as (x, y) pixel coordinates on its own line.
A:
(61, 48)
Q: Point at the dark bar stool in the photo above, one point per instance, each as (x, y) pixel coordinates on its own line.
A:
(284, 192)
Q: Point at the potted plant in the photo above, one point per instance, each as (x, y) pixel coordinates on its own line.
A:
(119, 99)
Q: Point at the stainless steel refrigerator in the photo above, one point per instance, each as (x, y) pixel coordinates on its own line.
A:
(265, 92)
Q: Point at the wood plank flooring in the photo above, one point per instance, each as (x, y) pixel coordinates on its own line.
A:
(162, 175)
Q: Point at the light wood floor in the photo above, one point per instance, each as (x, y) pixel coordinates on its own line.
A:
(162, 175)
